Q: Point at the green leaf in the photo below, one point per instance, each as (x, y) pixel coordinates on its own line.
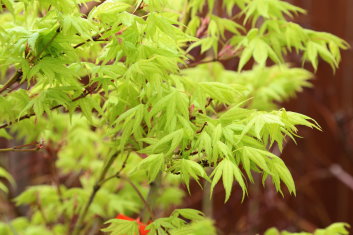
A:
(3, 133)
(121, 227)
(245, 57)
(335, 228)
(152, 164)
(109, 11)
(256, 156)
(228, 170)
(280, 172)
(166, 144)
(190, 214)
(189, 169)
(272, 231)
(311, 53)
(260, 52)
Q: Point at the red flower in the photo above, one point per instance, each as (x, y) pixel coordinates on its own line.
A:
(142, 226)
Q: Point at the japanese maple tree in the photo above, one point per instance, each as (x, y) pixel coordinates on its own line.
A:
(133, 97)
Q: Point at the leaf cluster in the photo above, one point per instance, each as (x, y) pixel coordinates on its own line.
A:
(119, 96)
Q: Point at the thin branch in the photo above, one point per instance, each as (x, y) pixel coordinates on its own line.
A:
(11, 81)
(98, 36)
(147, 206)
(46, 46)
(151, 200)
(207, 201)
(95, 38)
(20, 148)
(151, 197)
(84, 94)
(139, 6)
(18, 74)
(87, 8)
(117, 174)
(225, 54)
(293, 216)
(83, 213)
(194, 64)
(209, 101)
(203, 127)
(185, 17)
(342, 175)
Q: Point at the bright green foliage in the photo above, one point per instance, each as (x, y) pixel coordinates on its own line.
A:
(334, 229)
(117, 94)
(228, 170)
(176, 224)
(122, 227)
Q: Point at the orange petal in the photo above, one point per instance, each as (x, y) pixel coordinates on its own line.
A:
(124, 217)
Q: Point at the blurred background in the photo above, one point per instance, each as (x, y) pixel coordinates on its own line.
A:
(321, 162)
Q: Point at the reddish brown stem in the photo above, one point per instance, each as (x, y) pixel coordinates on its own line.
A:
(20, 148)
(11, 81)
(33, 114)
(203, 127)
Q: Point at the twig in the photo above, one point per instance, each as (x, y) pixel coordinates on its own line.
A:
(95, 38)
(19, 148)
(84, 94)
(139, 6)
(11, 81)
(151, 198)
(83, 213)
(147, 206)
(292, 215)
(209, 101)
(35, 58)
(87, 8)
(194, 64)
(207, 201)
(117, 174)
(18, 74)
(342, 175)
(185, 17)
(203, 127)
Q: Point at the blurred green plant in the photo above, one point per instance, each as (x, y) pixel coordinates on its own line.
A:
(334, 229)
